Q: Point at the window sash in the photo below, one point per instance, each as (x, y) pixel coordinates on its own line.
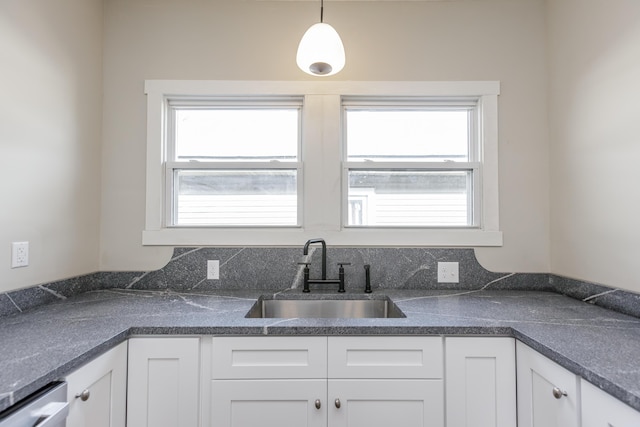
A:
(172, 166)
(171, 193)
(474, 198)
(474, 149)
(435, 104)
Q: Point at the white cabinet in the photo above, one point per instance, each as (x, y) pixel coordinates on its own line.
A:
(345, 381)
(600, 409)
(278, 403)
(97, 391)
(481, 382)
(163, 388)
(382, 403)
(270, 381)
(320, 381)
(383, 381)
(385, 357)
(548, 394)
(268, 357)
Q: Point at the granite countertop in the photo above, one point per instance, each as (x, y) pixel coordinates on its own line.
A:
(49, 342)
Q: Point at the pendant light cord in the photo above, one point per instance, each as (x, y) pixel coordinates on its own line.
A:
(321, 10)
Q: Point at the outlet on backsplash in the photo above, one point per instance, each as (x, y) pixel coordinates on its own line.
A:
(448, 272)
(213, 269)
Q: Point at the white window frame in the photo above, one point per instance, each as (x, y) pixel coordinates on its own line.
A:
(473, 164)
(323, 168)
(172, 166)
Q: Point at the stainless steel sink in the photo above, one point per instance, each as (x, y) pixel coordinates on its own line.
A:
(324, 308)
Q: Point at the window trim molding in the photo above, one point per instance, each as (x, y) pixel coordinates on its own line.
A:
(320, 97)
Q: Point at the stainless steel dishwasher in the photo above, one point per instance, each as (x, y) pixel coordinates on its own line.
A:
(46, 408)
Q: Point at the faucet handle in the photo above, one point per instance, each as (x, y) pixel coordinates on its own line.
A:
(341, 276)
(305, 282)
(367, 279)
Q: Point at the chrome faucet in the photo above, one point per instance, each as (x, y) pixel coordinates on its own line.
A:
(307, 280)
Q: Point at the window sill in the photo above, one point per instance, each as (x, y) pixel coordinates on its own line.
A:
(297, 236)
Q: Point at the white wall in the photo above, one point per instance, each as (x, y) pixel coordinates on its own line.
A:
(50, 117)
(50, 132)
(594, 51)
(252, 40)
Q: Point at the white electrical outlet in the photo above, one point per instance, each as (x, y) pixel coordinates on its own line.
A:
(19, 254)
(448, 272)
(213, 269)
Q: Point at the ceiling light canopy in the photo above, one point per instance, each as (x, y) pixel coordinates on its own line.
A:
(320, 52)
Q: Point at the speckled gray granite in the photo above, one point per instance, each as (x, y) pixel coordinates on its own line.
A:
(50, 341)
(604, 296)
(278, 268)
(51, 329)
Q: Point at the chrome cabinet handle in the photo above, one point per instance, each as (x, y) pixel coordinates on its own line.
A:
(84, 396)
(318, 404)
(338, 403)
(557, 393)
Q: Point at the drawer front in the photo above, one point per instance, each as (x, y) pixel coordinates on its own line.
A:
(269, 357)
(385, 357)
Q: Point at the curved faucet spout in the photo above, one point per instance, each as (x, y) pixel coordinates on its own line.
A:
(305, 251)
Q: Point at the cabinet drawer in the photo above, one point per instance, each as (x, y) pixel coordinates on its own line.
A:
(269, 357)
(385, 357)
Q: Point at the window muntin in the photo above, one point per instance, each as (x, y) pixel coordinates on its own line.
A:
(411, 163)
(233, 163)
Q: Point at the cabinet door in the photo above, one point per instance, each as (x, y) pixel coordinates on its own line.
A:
(600, 409)
(272, 403)
(97, 391)
(480, 382)
(547, 393)
(383, 403)
(163, 382)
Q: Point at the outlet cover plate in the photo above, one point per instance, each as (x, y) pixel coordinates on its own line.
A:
(213, 269)
(448, 272)
(19, 254)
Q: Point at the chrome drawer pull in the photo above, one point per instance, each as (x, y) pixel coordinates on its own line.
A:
(84, 396)
(557, 393)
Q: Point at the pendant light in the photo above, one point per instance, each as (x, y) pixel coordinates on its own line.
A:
(320, 52)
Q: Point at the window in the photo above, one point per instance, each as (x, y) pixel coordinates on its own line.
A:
(358, 163)
(411, 163)
(233, 163)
